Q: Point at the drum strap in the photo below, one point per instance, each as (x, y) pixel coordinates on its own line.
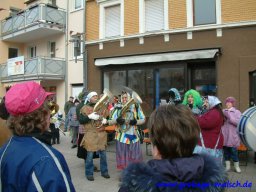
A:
(1, 162)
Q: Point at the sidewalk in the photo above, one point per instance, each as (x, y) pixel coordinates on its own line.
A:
(101, 184)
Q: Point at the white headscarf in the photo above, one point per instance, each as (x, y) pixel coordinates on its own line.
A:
(128, 96)
(213, 101)
(89, 96)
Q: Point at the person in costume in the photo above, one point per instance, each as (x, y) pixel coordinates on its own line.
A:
(95, 139)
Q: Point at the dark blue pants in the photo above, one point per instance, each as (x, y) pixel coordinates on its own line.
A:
(230, 153)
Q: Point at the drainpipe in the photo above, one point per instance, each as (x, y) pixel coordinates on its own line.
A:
(85, 78)
(66, 53)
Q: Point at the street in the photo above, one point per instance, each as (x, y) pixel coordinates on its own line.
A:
(101, 184)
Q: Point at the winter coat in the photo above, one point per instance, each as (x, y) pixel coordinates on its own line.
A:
(67, 106)
(94, 139)
(28, 164)
(168, 175)
(229, 130)
(5, 133)
(210, 124)
(72, 117)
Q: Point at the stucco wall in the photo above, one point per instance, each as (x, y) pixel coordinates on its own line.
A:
(238, 57)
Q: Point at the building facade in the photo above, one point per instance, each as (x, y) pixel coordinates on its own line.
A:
(38, 35)
(154, 45)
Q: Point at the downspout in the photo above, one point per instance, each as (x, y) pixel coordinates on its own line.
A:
(85, 73)
(66, 52)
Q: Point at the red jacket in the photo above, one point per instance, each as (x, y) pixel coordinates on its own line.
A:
(210, 124)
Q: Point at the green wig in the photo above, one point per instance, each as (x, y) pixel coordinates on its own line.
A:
(198, 102)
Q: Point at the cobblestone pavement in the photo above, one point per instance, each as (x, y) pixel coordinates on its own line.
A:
(101, 184)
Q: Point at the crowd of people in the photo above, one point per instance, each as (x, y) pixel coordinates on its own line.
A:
(193, 130)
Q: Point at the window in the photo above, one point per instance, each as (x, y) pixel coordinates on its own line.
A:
(76, 90)
(203, 78)
(52, 49)
(111, 19)
(114, 81)
(168, 78)
(142, 82)
(32, 52)
(154, 15)
(78, 50)
(77, 4)
(13, 52)
(204, 12)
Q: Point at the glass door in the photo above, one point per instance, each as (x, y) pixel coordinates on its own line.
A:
(167, 78)
(203, 78)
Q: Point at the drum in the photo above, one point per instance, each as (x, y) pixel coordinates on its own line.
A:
(247, 128)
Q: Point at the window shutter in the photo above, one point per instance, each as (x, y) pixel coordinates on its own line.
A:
(112, 21)
(154, 15)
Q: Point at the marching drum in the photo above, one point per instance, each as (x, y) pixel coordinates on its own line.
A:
(247, 128)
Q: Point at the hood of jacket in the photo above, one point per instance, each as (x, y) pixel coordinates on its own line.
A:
(171, 175)
(176, 94)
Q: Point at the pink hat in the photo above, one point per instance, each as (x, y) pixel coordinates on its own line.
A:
(230, 100)
(24, 98)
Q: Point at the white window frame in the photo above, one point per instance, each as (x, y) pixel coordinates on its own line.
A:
(103, 5)
(142, 21)
(81, 51)
(190, 13)
(73, 5)
(34, 47)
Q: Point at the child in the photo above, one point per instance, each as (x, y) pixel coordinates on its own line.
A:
(174, 133)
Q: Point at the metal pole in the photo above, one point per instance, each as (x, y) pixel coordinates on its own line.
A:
(85, 76)
(66, 52)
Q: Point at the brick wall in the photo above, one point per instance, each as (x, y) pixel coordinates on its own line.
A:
(92, 21)
(177, 14)
(131, 17)
(232, 11)
(238, 10)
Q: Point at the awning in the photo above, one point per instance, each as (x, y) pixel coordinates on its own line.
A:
(149, 58)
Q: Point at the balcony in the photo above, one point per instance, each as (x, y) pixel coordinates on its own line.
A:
(36, 22)
(38, 68)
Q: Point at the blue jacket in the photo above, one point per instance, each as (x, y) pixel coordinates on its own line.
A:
(27, 164)
(193, 174)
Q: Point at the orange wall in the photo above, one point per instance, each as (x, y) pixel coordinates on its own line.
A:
(237, 10)
(92, 20)
(232, 11)
(131, 17)
(177, 14)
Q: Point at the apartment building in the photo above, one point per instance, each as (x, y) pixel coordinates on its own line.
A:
(36, 44)
(154, 45)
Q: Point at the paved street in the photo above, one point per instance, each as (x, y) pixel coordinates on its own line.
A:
(101, 184)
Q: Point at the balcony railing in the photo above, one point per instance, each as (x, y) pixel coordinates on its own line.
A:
(40, 13)
(37, 68)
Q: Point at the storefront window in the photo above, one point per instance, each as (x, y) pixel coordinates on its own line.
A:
(142, 82)
(170, 78)
(153, 84)
(204, 80)
(114, 81)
